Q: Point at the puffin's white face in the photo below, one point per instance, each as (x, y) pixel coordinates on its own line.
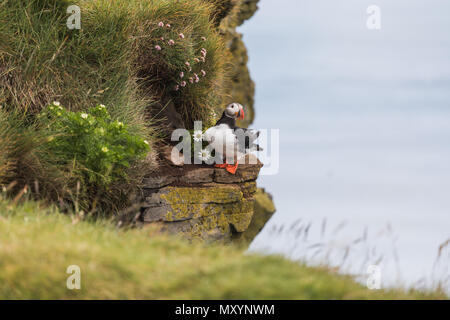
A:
(235, 110)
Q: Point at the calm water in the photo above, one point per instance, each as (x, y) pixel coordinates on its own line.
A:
(364, 119)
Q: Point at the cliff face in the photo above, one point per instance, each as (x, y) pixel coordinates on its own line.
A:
(242, 87)
(201, 202)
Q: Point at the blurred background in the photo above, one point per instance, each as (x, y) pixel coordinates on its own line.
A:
(364, 119)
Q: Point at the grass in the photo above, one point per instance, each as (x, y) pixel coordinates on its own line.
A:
(38, 244)
(112, 59)
(23, 159)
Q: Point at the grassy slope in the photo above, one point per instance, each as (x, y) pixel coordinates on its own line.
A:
(112, 59)
(37, 245)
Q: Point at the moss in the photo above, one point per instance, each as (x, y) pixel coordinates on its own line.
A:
(192, 195)
(264, 202)
(205, 225)
(248, 189)
(241, 220)
(178, 212)
(264, 209)
(198, 210)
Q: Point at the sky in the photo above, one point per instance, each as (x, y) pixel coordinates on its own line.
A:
(364, 120)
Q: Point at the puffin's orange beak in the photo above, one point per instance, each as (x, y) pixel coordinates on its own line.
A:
(241, 112)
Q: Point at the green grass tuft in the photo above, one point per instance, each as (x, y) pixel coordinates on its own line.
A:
(112, 59)
(38, 244)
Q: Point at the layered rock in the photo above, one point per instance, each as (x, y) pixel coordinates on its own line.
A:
(201, 201)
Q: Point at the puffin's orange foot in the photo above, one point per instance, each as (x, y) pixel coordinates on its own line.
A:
(232, 168)
(221, 165)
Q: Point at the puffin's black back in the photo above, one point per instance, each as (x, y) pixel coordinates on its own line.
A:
(231, 122)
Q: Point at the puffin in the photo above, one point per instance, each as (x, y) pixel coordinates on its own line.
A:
(225, 136)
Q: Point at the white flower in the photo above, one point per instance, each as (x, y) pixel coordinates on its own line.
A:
(84, 115)
(119, 124)
(204, 155)
(105, 149)
(146, 142)
(102, 106)
(56, 103)
(198, 135)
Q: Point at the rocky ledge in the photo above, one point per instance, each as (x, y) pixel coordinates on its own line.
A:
(202, 201)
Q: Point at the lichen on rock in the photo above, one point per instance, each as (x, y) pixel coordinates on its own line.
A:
(214, 203)
(264, 209)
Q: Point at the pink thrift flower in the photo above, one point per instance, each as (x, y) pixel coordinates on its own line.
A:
(181, 36)
(158, 48)
(202, 59)
(177, 87)
(203, 38)
(187, 63)
(183, 83)
(161, 24)
(197, 60)
(181, 74)
(168, 25)
(162, 38)
(191, 80)
(170, 42)
(203, 72)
